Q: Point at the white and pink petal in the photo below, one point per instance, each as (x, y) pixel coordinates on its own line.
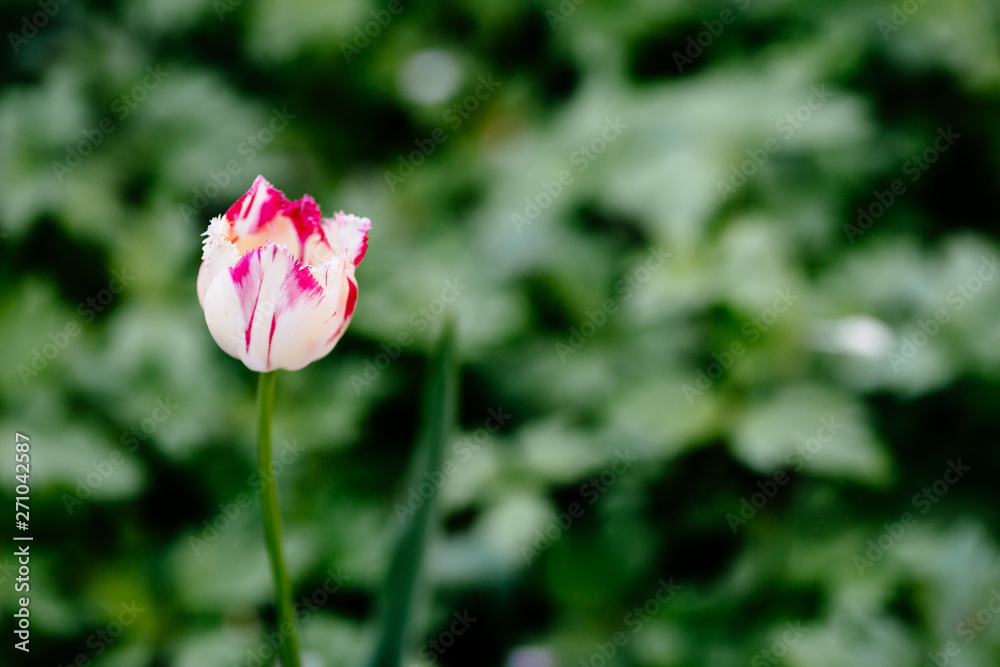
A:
(269, 311)
(277, 280)
(348, 233)
(219, 253)
(257, 207)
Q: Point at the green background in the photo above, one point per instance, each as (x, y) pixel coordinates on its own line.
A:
(832, 367)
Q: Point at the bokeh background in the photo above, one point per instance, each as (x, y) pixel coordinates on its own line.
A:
(725, 271)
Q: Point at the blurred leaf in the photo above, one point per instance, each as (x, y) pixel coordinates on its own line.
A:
(404, 581)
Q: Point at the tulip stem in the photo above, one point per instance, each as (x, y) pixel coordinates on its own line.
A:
(288, 650)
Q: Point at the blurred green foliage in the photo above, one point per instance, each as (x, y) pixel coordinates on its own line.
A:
(727, 288)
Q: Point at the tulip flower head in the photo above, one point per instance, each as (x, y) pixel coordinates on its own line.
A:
(277, 279)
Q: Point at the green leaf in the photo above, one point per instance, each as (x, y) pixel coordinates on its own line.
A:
(403, 584)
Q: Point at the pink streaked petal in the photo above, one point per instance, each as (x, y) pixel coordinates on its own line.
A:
(226, 319)
(248, 282)
(302, 286)
(301, 333)
(297, 302)
(306, 217)
(248, 307)
(259, 206)
(348, 233)
(352, 298)
(270, 338)
(360, 255)
(265, 214)
(348, 314)
(342, 279)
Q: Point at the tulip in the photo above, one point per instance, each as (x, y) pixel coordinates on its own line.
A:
(278, 290)
(277, 279)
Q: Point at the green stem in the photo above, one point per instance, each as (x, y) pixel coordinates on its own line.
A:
(285, 623)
